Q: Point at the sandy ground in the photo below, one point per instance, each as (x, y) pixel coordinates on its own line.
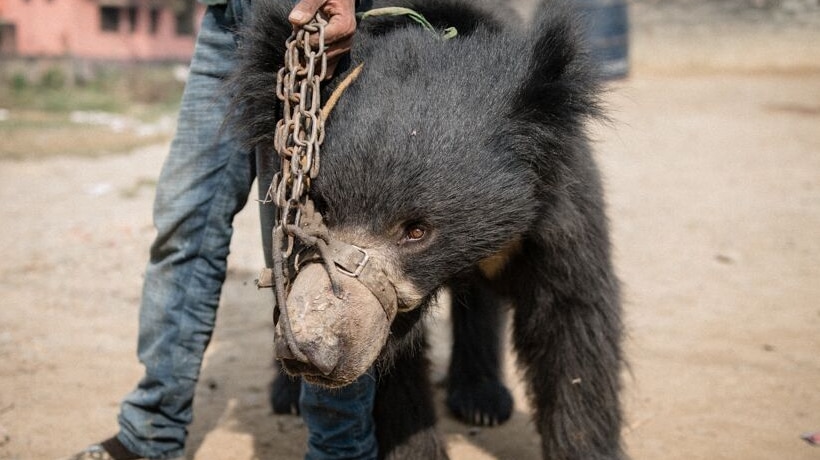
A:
(713, 181)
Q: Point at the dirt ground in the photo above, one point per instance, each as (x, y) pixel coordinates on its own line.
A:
(713, 180)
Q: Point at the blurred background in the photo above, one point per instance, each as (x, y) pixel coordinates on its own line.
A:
(69, 67)
(711, 162)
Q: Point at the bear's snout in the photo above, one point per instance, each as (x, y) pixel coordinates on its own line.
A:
(339, 337)
(319, 347)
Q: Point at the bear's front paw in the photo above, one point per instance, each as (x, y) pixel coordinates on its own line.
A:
(486, 404)
(284, 394)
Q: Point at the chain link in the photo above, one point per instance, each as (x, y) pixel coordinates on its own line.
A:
(300, 133)
(297, 140)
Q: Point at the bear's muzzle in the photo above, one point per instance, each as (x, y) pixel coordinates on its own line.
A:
(341, 337)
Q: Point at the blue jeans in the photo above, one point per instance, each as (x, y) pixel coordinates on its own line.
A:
(204, 182)
(340, 421)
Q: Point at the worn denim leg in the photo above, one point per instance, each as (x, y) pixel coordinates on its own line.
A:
(340, 420)
(204, 182)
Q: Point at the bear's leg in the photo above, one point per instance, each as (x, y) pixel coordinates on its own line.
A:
(567, 332)
(404, 413)
(475, 392)
(284, 393)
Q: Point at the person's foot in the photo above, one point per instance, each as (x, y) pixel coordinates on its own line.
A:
(92, 452)
(110, 449)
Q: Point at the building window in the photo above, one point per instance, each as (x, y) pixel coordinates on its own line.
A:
(109, 18)
(153, 27)
(132, 18)
(185, 18)
(8, 39)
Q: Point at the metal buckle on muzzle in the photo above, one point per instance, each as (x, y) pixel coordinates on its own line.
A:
(359, 265)
(355, 262)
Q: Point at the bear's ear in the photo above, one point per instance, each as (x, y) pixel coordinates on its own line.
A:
(560, 88)
(254, 108)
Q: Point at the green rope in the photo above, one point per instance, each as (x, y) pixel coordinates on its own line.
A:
(447, 34)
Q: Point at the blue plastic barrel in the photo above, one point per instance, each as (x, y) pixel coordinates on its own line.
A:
(607, 26)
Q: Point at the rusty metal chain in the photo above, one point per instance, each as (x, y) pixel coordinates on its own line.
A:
(300, 133)
(298, 139)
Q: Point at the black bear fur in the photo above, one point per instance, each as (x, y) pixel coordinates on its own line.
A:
(482, 139)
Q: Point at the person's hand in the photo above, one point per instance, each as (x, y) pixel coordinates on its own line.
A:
(341, 25)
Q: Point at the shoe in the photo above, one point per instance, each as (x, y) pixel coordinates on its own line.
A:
(110, 449)
(92, 452)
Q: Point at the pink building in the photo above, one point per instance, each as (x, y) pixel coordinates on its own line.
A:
(124, 30)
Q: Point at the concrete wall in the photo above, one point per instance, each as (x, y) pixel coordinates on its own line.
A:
(73, 28)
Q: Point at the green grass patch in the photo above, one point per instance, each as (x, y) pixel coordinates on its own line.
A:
(38, 135)
(37, 119)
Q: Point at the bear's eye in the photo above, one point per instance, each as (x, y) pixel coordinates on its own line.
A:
(414, 232)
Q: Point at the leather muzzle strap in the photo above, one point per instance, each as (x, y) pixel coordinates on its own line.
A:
(355, 262)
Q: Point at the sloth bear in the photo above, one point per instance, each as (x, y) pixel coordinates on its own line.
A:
(458, 163)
